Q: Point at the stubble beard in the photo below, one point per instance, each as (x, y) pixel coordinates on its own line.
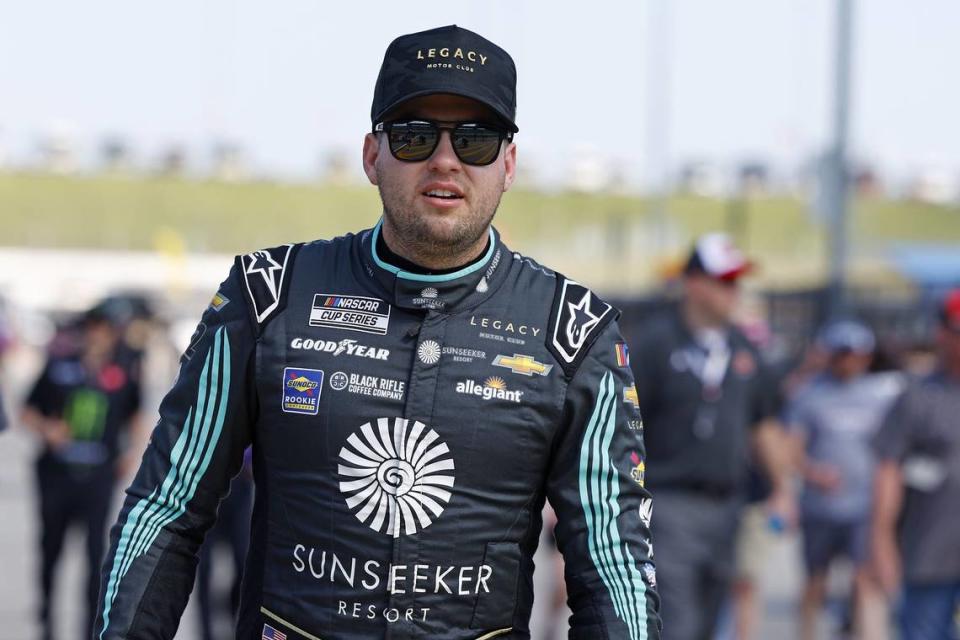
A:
(423, 242)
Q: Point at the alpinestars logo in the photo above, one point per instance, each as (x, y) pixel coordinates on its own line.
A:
(581, 321)
(396, 479)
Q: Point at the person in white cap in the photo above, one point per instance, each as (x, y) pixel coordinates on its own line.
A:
(706, 403)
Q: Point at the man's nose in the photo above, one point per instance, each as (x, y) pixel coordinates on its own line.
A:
(444, 158)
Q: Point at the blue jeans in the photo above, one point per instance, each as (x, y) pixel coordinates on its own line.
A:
(928, 611)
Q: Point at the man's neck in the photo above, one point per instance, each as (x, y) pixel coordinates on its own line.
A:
(422, 262)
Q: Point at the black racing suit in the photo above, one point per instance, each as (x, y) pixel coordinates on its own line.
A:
(406, 430)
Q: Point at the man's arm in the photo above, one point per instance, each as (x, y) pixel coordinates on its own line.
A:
(52, 430)
(775, 452)
(773, 447)
(887, 501)
(596, 488)
(890, 445)
(196, 448)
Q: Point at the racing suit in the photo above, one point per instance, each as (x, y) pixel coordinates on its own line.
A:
(406, 429)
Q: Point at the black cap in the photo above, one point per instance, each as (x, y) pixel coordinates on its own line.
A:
(447, 60)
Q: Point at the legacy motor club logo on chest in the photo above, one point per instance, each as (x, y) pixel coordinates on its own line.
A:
(354, 313)
(396, 477)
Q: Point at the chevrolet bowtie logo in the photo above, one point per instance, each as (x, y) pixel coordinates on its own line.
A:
(524, 365)
(630, 395)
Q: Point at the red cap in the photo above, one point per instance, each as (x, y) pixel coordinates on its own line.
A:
(717, 256)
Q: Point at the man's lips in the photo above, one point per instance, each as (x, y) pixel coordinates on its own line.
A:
(443, 194)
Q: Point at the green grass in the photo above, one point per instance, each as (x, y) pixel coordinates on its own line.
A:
(625, 231)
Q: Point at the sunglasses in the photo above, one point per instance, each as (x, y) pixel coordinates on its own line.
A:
(475, 143)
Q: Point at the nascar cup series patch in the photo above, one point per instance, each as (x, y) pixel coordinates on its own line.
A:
(355, 313)
(301, 390)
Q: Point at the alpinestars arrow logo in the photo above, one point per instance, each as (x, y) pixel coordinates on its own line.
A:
(263, 273)
(396, 478)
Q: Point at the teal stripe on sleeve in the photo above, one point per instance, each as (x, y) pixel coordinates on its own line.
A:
(190, 458)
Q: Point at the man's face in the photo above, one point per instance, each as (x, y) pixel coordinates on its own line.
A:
(847, 365)
(433, 225)
(717, 298)
(99, 338)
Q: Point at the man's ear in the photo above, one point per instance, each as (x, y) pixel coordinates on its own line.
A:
(371, 151)
(510, 164)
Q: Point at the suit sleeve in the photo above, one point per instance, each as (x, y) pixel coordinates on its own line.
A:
(196, 448)
(603, 511)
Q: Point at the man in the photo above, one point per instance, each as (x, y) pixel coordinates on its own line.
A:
(412, 393)
(83, 404)
(916, 522)
(832, 421)
(704, 400)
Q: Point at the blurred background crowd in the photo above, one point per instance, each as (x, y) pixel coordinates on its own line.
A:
(769, 191)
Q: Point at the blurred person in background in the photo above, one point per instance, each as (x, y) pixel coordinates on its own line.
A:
(412, 394)
(916, 518)
(705, 402)
(84, 408)
(5, 341)
(3, 414)
(232, 531)
(832, 421)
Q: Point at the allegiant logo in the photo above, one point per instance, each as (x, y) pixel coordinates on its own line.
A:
(493, 388)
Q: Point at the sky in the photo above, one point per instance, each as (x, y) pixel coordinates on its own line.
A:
(643, 84)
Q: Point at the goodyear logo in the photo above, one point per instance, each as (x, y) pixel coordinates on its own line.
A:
(524, 365)
(301, 390)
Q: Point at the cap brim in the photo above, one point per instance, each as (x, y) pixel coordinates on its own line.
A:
(737, 273)
(453, 92)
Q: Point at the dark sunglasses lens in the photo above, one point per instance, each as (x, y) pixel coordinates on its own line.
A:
(476, 144)
(413, 141)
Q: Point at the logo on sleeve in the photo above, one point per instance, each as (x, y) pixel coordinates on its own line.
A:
(576, 320)
(263, 272)
(646, 511)
(623, 354)
(301, 390)
(631, 397)
(639, 470)
(219, 301)
(354, 313)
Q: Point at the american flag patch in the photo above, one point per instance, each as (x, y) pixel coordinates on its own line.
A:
(623, 355)
(269, 633)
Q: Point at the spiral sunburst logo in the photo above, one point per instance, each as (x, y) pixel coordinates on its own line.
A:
(397, 476)
(429, 352)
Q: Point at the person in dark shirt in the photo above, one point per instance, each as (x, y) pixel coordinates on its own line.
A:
(81, 406)
(705, 402)
(916, 522)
